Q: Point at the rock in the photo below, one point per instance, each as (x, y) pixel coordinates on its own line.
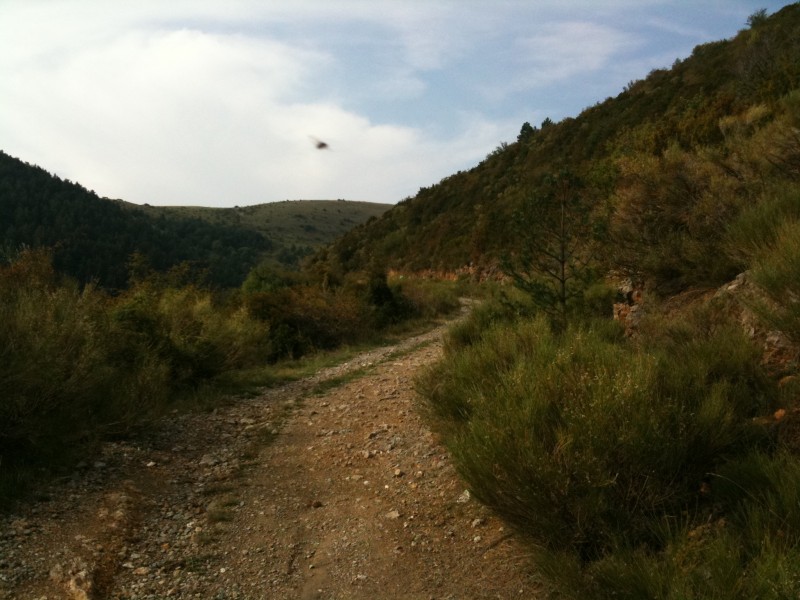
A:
(208, 461)
(393, 515)
(80, 585)
(464, 497)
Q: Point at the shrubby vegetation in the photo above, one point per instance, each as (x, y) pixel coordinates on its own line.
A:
(79, 365)
(677, 156)
(647, 469)
(663, 465)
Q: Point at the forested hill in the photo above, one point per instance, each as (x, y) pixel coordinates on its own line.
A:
(94, 238)
(295, 227)
(671, 160)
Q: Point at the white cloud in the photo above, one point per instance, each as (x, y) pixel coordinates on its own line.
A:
(210, 102)
(559, 51)
(157, 108)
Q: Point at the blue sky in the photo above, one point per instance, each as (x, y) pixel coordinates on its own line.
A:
(215, 103)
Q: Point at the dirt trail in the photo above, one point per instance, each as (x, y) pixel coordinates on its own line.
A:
(294, 494)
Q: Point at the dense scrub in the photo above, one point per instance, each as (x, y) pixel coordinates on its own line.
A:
(664, 465)
(648, 469)
(78, 366)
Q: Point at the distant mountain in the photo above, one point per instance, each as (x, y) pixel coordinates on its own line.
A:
(693, 111)
(94, 238)
(295, 228)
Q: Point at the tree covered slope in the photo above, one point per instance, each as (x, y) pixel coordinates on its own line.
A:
(706, 132)
(94, 238)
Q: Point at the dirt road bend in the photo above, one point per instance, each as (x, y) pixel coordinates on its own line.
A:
(311, 490)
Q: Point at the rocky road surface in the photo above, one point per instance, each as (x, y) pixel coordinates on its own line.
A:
(298, 493)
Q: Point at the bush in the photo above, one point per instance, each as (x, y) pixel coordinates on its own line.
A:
(303, 319)
(77, 366)
(777, 272)
(757, 227)
(592, 447)
(428, 298)
(193, 338)
(504, 306)
(750, 549)
(61, 391)
(670, 217)
(386, 304)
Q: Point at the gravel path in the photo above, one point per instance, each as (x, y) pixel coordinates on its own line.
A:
(294, 494)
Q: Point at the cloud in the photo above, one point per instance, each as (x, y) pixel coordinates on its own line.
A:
(166, 99)
(208, 102)
(153, 107)
(559, 51)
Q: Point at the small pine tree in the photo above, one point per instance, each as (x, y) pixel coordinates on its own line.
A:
(558, 239)
(526, 132)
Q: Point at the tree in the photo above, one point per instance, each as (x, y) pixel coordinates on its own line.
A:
(558, 239)
(526, 132)
(759, 17)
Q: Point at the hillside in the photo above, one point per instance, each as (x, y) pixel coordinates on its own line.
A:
(713, 128)
(294, 228)
(628, 407)
(94, 238)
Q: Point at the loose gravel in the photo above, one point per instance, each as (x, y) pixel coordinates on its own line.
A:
(342, 494)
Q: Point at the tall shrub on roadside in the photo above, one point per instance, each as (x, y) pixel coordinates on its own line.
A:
(594, 448)
(60, 390)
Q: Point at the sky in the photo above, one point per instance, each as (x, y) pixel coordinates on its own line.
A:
(220, 103)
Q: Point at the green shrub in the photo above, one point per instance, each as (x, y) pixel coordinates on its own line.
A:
(303, 319)
(386, 304)
(77, 366)
(592, 447)
(757, 227)
(670, 216)
(504, 306)
(598, 301)
(748, 549)
(777, 272)
(429, 297)
(61, 391)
